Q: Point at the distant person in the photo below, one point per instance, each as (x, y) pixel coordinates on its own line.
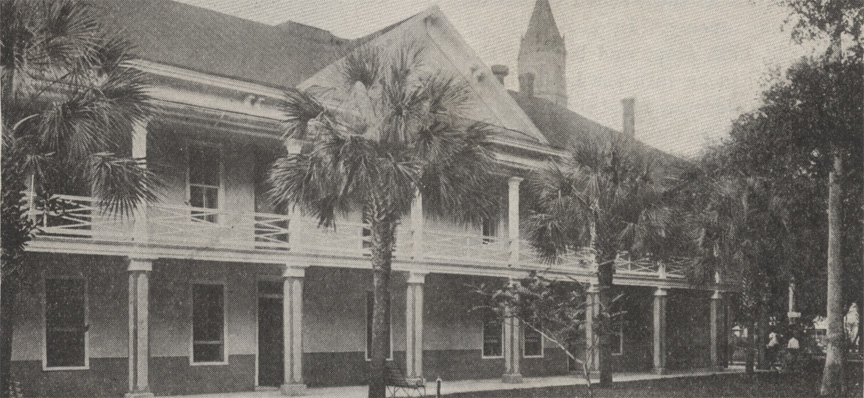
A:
(792, 349)
(772, 348)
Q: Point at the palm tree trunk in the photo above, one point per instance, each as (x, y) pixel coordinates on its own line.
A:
(605, 271)
(832, 375)
(382, 255)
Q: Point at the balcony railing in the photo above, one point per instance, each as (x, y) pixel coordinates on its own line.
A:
(78, 217)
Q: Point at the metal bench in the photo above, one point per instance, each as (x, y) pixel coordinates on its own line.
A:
(396, 381)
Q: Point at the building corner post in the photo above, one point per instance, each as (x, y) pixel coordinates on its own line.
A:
(717, 322)
(414, 325)
(660, 331)
(592, 310)
(139, 270)
(292, 329)
(512, 347)
(513, 218)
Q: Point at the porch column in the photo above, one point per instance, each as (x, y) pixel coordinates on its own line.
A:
(513, 218)
(592, 309)
(139, 153)
(292, 330)
(512, 350)
(417, 226)
(716, 329)
(414, 325)
(660, 331)
(139, 328)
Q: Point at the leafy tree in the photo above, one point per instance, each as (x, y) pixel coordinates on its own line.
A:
(69, 106)
(389, 130)
(556, 309)
(610, 196)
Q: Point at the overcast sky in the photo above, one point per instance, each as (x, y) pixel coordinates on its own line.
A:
(692, 65)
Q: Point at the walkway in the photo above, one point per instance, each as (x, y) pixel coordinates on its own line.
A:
(460, 386)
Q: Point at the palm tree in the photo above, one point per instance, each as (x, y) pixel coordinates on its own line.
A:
(609, 196)
(386, 132)
(69, 103)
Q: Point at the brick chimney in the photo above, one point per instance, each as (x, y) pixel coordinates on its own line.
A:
(628, 127)
(526, 84)
(500, 71)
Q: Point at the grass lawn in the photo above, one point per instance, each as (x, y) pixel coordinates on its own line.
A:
(803, 384)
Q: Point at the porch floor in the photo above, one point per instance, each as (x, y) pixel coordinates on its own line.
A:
(460, 386)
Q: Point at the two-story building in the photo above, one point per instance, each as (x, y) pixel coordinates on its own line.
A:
(210, 291)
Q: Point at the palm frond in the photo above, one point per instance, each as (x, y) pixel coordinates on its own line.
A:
(121, 185)
(299, 109)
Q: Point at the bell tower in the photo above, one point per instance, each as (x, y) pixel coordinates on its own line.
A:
(542, 55)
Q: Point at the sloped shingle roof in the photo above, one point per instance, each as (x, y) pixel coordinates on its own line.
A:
(207, 41)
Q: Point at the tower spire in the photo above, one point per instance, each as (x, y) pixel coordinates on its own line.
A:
(542, 57)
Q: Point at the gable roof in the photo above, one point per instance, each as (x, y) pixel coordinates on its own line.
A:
(445, 49)
(207, 41)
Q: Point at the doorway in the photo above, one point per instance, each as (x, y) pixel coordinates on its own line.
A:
(270, 338)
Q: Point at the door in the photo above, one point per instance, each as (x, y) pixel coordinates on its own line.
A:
(270, 347)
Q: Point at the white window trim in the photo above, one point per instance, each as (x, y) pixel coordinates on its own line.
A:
(542, 344)
(620, 339)
(221, 195)
(45, 366)
(366, 336)
(258, 295)
(224, 323)
(483, 342)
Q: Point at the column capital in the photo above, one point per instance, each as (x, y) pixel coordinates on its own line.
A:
(416, 278)
(593, 289)
(514, 180)
(140, 264)
(661, 292)
(718, 295)
(293, 271)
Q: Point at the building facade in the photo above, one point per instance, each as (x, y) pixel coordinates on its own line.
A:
(211, 290)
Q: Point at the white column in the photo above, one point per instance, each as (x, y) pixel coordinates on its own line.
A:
(417, 226)
(139, 152)
(414, 325)
(292, 330)
(660, 331)
(512, 349)
(513, 218)
(716, 328)
(592, 309)
(139, 327)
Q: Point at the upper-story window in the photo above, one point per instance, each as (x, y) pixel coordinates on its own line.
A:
(489, 230)
(205, 174)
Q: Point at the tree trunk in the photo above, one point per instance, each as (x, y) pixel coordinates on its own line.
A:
(751, 348)
(382, 255)
(8, 305)
(605, 271)
(832, 375)
(762, 337)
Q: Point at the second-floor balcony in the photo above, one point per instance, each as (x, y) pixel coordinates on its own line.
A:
(72, 220)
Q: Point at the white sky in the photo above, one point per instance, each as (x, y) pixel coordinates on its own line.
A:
(692, 65)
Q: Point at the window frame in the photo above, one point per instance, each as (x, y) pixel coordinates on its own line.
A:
(367, 340)
(483, 339)
(526, 328)
(220, 195)
(492, 226)
(224, 361)
(44, 295)
(620, 335)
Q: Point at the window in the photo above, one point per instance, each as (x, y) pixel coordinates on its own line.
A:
(493, 336)
(489, 230)
(208, 323)
(204, 181)
(617, 334)
(532, 342)
(370, 305)
(65, 323)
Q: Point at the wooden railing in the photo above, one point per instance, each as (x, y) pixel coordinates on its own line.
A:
(79, 217)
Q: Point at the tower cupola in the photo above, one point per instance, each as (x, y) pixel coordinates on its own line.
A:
(543, 53)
